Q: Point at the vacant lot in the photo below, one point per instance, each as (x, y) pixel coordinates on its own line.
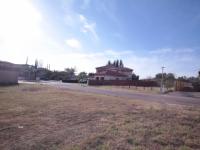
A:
(42, 117)
(133, 88)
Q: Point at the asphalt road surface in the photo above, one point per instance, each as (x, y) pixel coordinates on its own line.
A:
(182, 98)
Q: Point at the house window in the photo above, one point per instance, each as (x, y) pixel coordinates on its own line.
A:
(97, 78)
(102, 78)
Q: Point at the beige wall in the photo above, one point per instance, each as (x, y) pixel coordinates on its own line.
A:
(8, 77)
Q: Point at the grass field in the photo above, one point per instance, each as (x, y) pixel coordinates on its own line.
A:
(133, 89)
(41, 117)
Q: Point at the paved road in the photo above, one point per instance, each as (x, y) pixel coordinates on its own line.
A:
(174, 98)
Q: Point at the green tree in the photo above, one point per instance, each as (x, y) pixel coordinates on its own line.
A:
(170, 76)
(135, 77)
(36, 64)
(159, 76)
(183, 78)
(69, 73)
(168, 79)
(35, 69)
(109, 63)
(117, 63)
(82, 77)
(114, 63)
(121, 64)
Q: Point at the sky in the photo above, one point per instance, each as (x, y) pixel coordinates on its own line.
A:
(145, 34)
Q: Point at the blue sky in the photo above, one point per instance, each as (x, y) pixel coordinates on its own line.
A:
(145, 34)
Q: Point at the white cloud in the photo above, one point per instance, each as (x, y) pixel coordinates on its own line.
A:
(161, 51)
(117, 54)
(78, 21)
(172, 50)
(181, 61)
(88, 27)
(73, 43)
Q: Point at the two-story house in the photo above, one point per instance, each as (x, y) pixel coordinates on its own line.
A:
(111, 72)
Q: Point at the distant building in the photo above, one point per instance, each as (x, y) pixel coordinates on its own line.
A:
(111, 72)
(8, 73)
(26, 72)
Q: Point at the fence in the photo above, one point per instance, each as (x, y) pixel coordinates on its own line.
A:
(123, 83)
(70, 81)
(183, 86)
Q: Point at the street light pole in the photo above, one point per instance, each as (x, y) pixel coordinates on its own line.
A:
(162, 85)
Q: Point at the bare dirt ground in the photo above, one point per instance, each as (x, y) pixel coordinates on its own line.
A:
(181, 98)
(43, 117)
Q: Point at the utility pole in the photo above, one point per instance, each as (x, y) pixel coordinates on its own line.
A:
(162, 85)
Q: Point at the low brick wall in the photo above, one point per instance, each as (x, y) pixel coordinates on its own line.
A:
(123, 83)
(70, 81)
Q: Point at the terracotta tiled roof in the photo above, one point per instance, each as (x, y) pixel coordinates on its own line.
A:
(111, 73)
(111, 66)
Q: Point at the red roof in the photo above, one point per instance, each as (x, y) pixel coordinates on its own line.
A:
(111, 66)
(111, 73)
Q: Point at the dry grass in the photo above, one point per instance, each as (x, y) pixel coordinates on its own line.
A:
(132, 89)
(40, 117)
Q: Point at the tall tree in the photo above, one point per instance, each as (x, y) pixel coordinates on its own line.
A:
(35, 69)
(121, 64)
(114, 63)
(36, 64)
(109, 63)
(117, 63)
